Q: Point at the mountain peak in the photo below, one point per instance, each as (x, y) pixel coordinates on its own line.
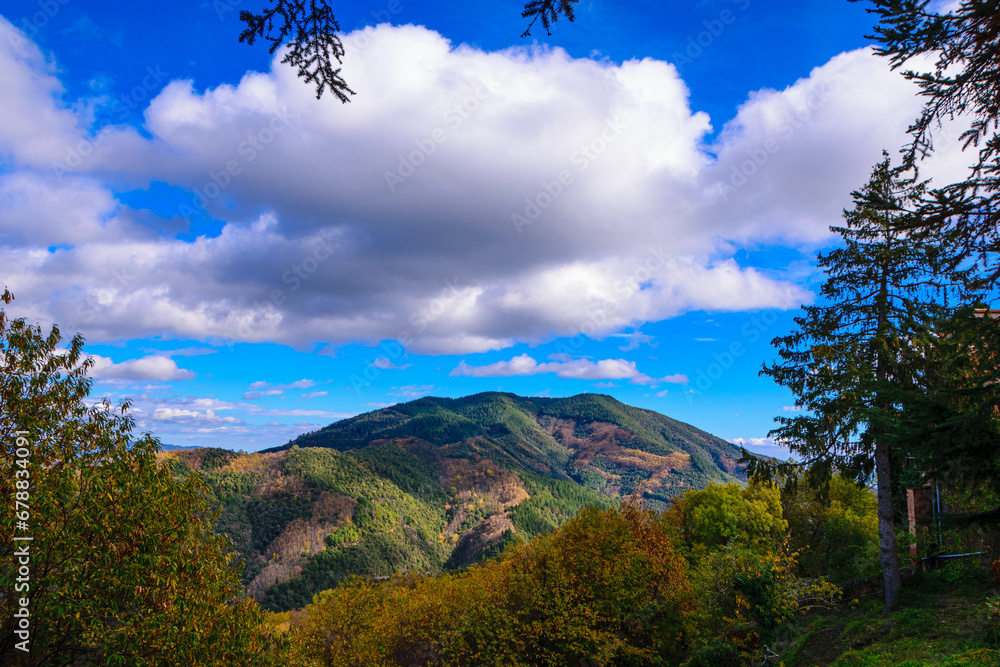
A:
(593, 439)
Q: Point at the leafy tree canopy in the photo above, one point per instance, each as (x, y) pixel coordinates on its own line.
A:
(123, 566)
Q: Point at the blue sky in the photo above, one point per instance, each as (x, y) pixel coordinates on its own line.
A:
(631, 206)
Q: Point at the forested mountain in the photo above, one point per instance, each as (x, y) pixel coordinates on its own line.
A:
(592, 439)
(437, 484)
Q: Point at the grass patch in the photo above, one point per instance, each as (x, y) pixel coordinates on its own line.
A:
(941, 620)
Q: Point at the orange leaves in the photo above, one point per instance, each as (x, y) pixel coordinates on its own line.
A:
(607, 585)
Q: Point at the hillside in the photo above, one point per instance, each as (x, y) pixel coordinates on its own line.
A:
(592, 439)
(437, 484)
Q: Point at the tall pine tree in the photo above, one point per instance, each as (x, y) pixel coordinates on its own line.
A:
(961, 90)
(845, 363)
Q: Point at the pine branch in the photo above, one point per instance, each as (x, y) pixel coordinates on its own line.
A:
(548, 11)
(311, 32)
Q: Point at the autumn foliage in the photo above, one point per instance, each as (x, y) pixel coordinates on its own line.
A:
(618, 586)
(610, 587)
(125, 568)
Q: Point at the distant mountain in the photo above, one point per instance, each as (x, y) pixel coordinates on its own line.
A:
(171, 448)
(437, 484)
(591, 439)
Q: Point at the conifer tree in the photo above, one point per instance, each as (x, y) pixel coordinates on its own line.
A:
(844, 363)
(962, 93)
(950, 421)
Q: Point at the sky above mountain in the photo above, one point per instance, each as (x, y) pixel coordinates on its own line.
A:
(630, 206)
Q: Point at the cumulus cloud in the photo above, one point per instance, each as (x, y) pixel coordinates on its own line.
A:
(155, 367)
(464, 201)
(579, 369)
(191, 417)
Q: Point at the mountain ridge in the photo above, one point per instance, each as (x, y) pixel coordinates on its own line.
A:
(437, 484)
(546, 435)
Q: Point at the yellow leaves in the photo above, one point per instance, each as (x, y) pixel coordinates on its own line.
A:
(562, 598)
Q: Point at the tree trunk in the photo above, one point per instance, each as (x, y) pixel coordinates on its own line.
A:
(886, 525)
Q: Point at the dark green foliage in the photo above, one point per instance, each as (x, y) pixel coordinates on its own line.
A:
(964, 82)
(717, 654)
(377, 555)
(404, 469)
(552, 503)
(498, 548)
(232, 485)
(269, 516)
(590, 479)
(949, 422)
(393, 463)
(216, 458)
(845, 363)
(762, 599)
(548, 11)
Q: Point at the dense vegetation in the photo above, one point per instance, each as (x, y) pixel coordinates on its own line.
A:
(438, 484)
(619, 449)
(304, 519)
(107, 560)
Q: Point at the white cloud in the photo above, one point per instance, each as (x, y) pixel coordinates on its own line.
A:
(579, 369)
(261, 388)
(412, 392)
(384, 363)
(314, 394)
(155, 367)
(191, 417)
(254, 395)
(638, 231)
(635, 340)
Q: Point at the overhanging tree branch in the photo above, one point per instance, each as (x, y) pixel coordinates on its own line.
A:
(548, 11)
(311, 33)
